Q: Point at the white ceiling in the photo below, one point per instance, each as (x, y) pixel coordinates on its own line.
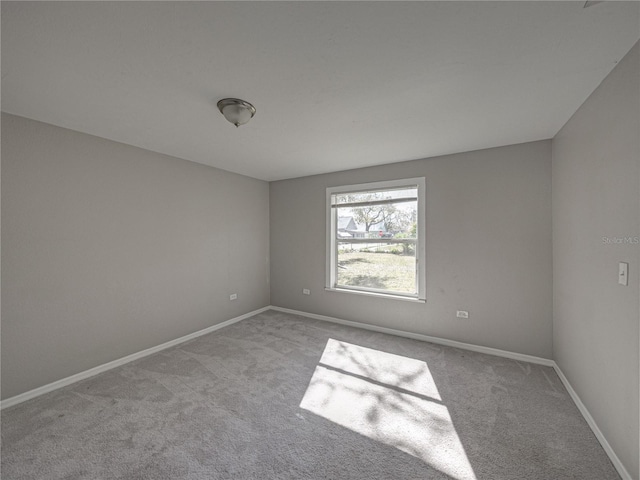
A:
(337, 85)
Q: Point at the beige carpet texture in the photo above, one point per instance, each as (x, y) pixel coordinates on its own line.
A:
(280, 396)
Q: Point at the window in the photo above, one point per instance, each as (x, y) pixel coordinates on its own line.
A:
(375, 239)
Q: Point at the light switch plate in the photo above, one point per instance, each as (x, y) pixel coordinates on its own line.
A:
(623, 273)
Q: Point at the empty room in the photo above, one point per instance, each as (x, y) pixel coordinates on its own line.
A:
(320, 240)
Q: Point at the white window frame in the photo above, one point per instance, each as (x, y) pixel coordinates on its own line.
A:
(331, 246)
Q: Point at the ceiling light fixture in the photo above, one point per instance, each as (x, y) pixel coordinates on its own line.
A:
(236, 111)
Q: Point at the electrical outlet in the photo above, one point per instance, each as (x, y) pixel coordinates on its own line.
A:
(462, 314)
(233, 296)
(306, 291)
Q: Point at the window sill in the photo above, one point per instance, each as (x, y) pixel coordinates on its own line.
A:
(375, 294)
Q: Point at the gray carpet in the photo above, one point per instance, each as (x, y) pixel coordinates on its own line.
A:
(279, 396)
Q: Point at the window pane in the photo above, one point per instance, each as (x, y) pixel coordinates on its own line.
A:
(388, 219)
(375, 238)
(381, 266)
(392, 194)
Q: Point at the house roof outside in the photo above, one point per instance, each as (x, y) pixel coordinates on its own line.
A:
(378, 227)
(346, 223)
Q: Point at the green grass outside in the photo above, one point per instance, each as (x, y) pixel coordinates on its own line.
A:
(385, 271)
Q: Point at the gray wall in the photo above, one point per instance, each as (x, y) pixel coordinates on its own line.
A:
(109, 249)
(596, 194)
(488, 241)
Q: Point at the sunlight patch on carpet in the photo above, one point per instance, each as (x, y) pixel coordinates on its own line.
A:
(390, 399)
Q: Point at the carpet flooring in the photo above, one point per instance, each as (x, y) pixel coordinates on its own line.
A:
(279, 396)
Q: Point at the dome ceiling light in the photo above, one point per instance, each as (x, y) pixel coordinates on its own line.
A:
(236, 111)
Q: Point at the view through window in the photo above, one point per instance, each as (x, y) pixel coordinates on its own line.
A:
(375, 238)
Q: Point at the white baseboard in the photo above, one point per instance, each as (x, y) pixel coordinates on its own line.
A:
(594, 426)
(425, 338)
(23, 397)
(491, 351)
(416, 336)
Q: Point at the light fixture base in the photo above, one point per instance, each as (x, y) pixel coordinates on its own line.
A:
(236, 111)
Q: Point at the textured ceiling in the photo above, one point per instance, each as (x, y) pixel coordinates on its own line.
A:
(337, 85)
